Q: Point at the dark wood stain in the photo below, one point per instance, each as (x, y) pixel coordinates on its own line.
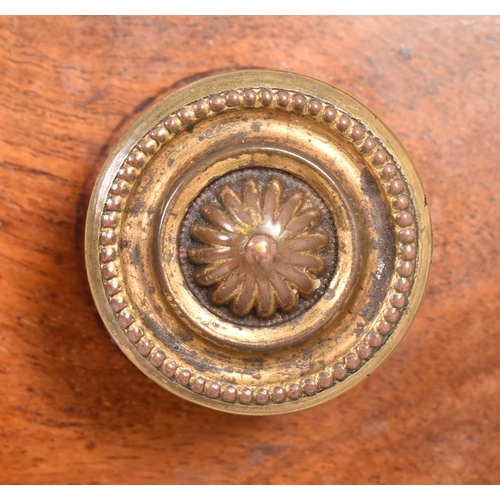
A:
(73, 410)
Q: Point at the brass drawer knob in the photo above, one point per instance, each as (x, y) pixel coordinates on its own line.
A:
(258, 242)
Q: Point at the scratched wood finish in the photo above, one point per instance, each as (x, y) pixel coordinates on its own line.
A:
(74, 410)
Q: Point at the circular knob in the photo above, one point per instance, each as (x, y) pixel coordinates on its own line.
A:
(258, 242)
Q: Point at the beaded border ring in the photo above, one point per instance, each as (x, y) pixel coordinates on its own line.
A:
(411, 226)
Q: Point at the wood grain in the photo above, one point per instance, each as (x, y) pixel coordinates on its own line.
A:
(74, 410)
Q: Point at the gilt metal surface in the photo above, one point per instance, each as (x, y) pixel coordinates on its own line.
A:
(258, 242)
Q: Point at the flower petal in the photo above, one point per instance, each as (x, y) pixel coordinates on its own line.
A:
(289, 209)
(313, 263)
(212, 274)
(251, 200)
(228, 289)
(219, 218)
(307, 219)
(301, 281)
(271, 199)
(243, 303)
(234, 205)
(311, 242)
(266, 303)
(287, 299)
(209, 255)
(205, 234)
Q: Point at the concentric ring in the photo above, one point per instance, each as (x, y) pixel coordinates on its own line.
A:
(266, 335)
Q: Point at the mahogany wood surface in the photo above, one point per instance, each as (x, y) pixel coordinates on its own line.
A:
(73, 409)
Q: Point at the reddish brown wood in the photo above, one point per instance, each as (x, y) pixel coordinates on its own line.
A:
(74, 410)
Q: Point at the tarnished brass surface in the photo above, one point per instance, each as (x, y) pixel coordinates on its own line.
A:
(258, 242)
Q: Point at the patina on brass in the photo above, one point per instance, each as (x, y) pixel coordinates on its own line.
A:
(263, 248)
(258, 242)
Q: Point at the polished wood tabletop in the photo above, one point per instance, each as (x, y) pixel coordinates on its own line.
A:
(73, 409)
